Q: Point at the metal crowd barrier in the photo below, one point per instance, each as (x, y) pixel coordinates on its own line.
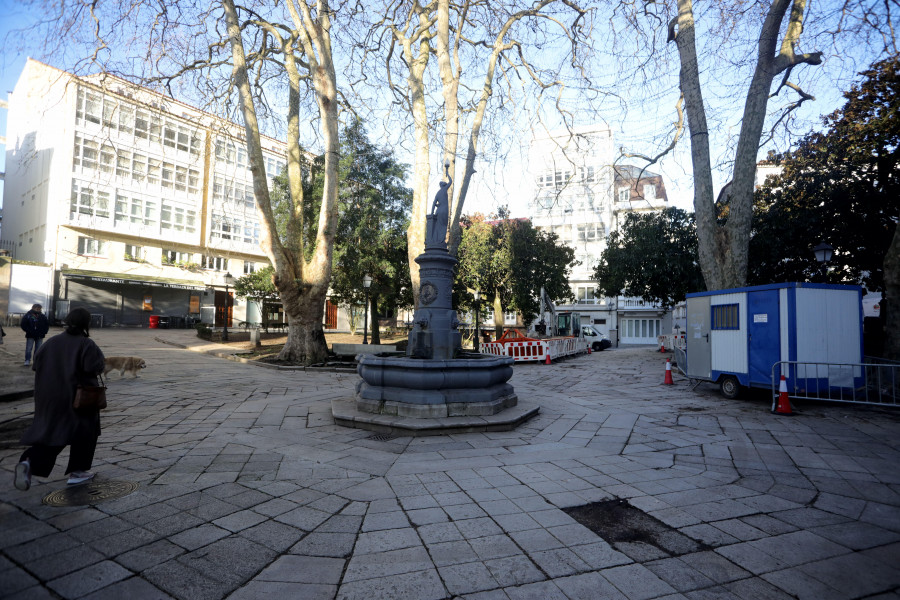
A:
(853, 383)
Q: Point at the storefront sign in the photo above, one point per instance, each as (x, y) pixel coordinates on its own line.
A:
(145, 283)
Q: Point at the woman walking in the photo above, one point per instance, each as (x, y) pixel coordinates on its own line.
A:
(62, 363)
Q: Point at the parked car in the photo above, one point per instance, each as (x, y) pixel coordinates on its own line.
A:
(597, 340)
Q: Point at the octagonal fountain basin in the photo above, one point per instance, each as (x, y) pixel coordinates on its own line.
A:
(429, 388)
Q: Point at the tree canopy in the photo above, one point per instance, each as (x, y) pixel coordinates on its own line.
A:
(840, 186)
(652, 256)
(509, 261)
(374, 205)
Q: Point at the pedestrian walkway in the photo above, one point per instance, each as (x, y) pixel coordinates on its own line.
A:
(247, 489)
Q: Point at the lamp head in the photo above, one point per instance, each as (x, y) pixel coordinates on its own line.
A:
(229, 278)
(823, 252)
(367, 281)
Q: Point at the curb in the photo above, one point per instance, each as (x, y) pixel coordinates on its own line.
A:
(12, 396)
(233, 356)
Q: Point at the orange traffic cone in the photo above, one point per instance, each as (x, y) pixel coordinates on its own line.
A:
(547, 361)
(784, 404)
(662, 348)
(668, 380)
(589, 349)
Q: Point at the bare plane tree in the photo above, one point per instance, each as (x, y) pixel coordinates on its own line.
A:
(446, 62)
(764, 40)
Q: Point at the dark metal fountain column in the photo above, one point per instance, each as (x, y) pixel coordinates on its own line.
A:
(434, 333)
(435, 378)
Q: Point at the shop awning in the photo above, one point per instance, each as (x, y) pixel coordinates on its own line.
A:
(125, 279)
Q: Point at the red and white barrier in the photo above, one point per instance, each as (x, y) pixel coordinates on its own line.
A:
(536, 350)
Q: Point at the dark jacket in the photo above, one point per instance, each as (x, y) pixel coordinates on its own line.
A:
(35, 325)
(61, 363)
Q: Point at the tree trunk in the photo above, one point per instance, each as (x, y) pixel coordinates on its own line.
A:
(890, 302)
(498, 316)
(724, 250)
(450, 90)
(415, 234)
(302, 285)
(710, 248)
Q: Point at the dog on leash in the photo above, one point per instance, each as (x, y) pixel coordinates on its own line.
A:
(132, 364)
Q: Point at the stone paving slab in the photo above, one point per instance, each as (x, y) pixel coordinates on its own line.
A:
(248, 489)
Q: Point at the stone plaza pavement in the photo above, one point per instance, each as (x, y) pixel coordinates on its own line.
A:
(247, 489)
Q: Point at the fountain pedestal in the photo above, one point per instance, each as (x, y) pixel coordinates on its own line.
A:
(436, 381)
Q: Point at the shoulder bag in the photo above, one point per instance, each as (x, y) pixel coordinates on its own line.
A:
(90, 397)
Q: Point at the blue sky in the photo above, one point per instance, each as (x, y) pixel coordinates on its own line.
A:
(499, 183)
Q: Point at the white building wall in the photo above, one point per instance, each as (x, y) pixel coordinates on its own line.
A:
(576, 198)
(29, 285)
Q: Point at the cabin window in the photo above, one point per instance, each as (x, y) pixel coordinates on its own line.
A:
(726, 316)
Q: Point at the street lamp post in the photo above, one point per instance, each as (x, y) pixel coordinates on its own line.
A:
(367, 282)
(229, 279)
(477, 295)
(823, 253)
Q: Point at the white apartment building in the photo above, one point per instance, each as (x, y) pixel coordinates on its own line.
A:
(139, 203)
(581, 195)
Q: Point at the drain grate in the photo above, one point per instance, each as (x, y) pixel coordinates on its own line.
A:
(625, 526)
(87, 494)
(382, 437)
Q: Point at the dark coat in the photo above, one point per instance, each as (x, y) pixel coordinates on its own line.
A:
(61, 363)
(35, 325)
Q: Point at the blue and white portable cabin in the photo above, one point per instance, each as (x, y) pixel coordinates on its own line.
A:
(734, 337)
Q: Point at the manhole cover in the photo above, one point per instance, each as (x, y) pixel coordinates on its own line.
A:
(86, 494)
(618, 522)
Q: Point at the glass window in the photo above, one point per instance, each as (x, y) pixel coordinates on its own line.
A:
(215, 263)
(107, 158)
(195, 144)
(183, 139)
(109, 113)
(153, 169)
(649, 191)
(86, 153)
(174, 257)
(91, 247)
(726, 316)
(126, 118)
(92, 103)
(180, 178)
(193, 181)
(138, 167)
(142, 124)
(87, 201)
(169, 136)
(134, 253)
(168, 173)
(624, 194)
(123, 163)
(155, 128)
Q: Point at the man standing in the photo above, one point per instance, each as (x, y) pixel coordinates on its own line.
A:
(35, 325)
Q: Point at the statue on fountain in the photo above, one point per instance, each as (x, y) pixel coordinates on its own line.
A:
(438, 220)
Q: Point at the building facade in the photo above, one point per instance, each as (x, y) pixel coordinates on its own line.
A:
(581, 195)
(140, 204)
